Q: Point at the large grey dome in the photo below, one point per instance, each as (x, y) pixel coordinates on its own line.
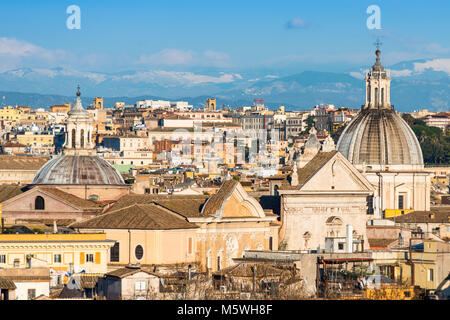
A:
(78, 170)
(380, 137)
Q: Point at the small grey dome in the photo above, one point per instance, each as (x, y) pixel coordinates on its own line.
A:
(380, 137)
(78, 170)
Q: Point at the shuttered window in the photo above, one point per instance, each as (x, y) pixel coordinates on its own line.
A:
(97, 258)
(82, 258)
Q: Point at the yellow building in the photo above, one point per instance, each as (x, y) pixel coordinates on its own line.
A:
(10, 113)
(389, 213)
(390, 293)
(211, 105)
(36, 140)
(61, 252)
(440, 174)
(98, 103)
(63, 108)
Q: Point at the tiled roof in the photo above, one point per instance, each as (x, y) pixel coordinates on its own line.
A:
(9, 191)
(188, 208)
(21, 163)
(127, 271)
(7, 284)
(139, 217)
(23, 274)
(215, 202)
(76, 201)
(435, 215)
(131, 199)
(381, 243)
(316, 163)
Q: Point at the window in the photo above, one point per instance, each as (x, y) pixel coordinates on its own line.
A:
(73, 138)
(16, 263)
(401, 201)
(270, 243)
(139, 252)
(2, 258)
(140, 286)
(90, 257)
(370, 205)
(341, 246)
(430, 274)
(57, 258)
(218, 263)
(31, 294)
(39, 203)
(114, 253)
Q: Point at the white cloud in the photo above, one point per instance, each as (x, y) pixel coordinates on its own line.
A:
(169, 57)
(357, 75)
(436, 65)
(401, 73)
(296, 23)
(173, 77)
(175, 57)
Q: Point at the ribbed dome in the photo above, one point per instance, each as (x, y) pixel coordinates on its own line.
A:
(380, 137)
(78, 170)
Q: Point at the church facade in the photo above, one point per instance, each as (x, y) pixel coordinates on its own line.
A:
(324, 200)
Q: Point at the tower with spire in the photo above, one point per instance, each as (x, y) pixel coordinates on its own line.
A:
(79, 130)
(378, 85)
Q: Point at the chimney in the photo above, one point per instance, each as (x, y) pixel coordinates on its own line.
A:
(349, 239)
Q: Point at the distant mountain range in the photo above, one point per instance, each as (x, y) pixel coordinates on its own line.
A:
(415, 85)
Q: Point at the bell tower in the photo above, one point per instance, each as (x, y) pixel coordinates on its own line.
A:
(378, 85)
(79, 131)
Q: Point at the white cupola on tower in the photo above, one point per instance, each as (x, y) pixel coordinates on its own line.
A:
(378, 85)
(79, 130)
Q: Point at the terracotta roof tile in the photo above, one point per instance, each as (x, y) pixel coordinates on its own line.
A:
(306, 173)
(139, 217)
(9, 191)
(21, 163)
(215, 202)
(131, 199)
(435, 215)
(127, 271)
(7, 284)
(76, 201)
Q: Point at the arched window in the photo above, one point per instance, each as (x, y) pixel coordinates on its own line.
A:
(376, 96)
(114, 253)
(73, 138)
(382, 95)
(39, 203)
(82, 138)
(275, 190)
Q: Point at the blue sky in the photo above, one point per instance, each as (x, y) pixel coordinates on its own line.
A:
(205, 36)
